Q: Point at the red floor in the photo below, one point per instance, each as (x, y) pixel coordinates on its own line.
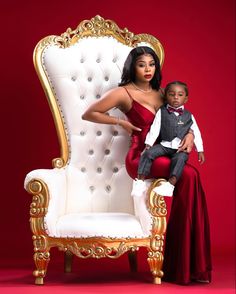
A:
(108, 276)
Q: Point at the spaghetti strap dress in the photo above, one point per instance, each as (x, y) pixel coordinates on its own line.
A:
(187, 255)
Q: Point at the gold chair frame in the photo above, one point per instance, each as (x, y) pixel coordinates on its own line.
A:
(94, 247)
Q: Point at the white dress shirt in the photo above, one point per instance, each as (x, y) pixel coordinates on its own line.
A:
(154, 132)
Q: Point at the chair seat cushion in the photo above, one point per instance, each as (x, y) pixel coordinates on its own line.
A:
(115, 225)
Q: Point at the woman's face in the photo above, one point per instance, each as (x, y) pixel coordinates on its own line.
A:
(145, 68)
(176, 96)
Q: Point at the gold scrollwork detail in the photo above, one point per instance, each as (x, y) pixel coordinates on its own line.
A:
(155, 255)
(40, 243)
(155, 260)
(157, 242)
(157, 207)
(98, 26)
(41, 260)
(99, 250)
(41, 257)
(38, 207)
(157, 204)
(37, 226)
(50, 40)
(58, 162)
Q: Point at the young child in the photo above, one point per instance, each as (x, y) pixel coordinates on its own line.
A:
(172, 122)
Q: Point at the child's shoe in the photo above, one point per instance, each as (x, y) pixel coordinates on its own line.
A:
(139, 187)
(165, 189)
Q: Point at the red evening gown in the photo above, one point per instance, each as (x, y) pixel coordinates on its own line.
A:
(187, 247)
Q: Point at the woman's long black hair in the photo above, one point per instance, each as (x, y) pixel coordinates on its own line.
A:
(129, 74)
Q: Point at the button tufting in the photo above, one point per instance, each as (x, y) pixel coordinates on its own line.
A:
(108, 188)
(115, 169)
(91, 188)
(73, 79)
(82, 60)
(91, 152)
(114, 60)
(89, 79)
(83, 169)
(82, 133)
(98, 96)
(81, 97)
(99, 170)
(99, 133)
(106, 79)
(115, 133)
(98, 60)
(107, 151)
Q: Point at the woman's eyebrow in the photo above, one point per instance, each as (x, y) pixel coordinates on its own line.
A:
(142, 61)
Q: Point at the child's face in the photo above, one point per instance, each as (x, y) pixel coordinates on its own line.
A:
(176, 96)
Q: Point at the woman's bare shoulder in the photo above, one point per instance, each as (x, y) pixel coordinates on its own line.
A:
(117, 94)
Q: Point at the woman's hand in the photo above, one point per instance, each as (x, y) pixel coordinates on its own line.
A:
(187, 143)
(126, 125)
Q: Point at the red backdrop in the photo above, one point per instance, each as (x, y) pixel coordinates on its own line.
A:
(198, 38)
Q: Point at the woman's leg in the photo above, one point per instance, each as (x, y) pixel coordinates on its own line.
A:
(187, 246)
(187, 252)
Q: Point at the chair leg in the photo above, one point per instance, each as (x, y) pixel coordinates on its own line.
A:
(132, 255)
(41, 260)
(68, 258)
(155, 261)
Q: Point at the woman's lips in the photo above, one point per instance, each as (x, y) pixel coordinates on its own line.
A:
(148, 76)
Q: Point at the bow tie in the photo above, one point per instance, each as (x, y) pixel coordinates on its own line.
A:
(172, 109)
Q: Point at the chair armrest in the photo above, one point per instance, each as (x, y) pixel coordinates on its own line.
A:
(48, 187)
(142, 212)
(157, 207)
(150, 208)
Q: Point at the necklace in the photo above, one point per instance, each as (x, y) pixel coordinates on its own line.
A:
(139, 89)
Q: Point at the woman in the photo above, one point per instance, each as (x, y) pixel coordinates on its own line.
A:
(187, 249)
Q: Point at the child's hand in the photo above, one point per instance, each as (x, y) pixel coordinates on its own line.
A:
(201, 157)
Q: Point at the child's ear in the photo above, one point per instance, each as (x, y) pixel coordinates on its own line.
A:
(186, 99)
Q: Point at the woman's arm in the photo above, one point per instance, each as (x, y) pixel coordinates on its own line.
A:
(115, 98)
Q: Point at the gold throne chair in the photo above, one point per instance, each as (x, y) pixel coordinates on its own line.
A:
(83, 204)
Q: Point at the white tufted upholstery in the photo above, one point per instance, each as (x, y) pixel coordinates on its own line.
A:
(94, 185)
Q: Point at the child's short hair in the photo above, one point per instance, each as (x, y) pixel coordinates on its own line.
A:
(178, 83)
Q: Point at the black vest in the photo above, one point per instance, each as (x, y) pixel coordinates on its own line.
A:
(174, 126)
